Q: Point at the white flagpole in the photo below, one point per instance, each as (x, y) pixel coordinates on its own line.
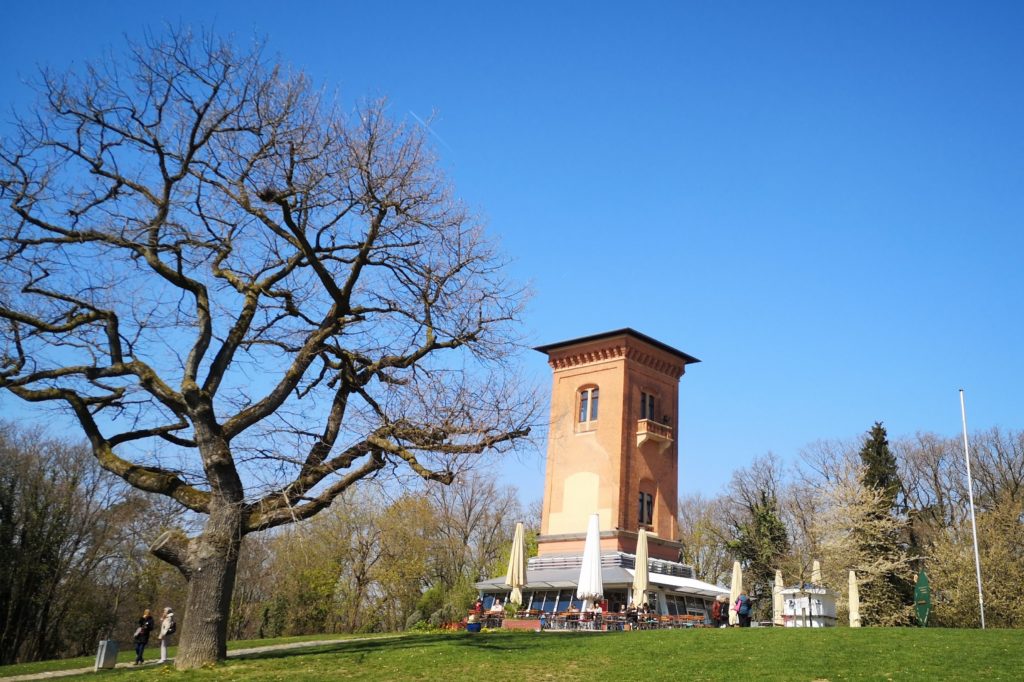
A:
(970, 497)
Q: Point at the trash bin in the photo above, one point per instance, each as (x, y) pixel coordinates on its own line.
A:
(473, 627)
(106, 656)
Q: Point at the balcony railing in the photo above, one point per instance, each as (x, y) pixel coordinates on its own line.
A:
(648, 430)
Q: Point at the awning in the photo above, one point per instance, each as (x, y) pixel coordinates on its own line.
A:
(613, 576)
(559, 579)
(689, 586)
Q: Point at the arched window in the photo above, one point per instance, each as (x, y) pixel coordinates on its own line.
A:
(588, 404)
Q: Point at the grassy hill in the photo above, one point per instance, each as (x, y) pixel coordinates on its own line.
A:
(755, 654)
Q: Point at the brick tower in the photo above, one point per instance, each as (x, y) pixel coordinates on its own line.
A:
(612, 443)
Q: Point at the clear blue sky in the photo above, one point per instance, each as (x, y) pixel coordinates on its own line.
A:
(822, 201)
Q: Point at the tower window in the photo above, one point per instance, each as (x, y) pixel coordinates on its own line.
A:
(646, 405)
(588, 405)
(646, 509)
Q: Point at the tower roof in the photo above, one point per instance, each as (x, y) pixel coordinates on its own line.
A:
(687, 359)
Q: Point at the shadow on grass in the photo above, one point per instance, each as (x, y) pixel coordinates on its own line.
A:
(347, 647)
(498, 642)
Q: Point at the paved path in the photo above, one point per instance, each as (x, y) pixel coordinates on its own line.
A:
(234, 653)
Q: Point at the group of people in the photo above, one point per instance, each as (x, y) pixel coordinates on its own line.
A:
(720, 611)
(168, 626)
(634, 613)
(595, 609)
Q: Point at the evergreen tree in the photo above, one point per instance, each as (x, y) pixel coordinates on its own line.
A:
(882, 535)
(880, 472)
(760, 543)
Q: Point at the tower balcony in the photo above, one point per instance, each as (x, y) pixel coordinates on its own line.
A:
(648, 430)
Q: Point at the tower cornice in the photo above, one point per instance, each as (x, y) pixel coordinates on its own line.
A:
(604, 350)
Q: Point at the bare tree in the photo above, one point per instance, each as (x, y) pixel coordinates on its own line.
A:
(704, 530)
(248, 300)
(760, 539)
(475, 523)
(823, 466)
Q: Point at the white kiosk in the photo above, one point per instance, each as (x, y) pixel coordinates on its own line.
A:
(808, 606)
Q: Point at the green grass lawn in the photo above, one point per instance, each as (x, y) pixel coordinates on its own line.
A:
(152, 653)
(731, 654)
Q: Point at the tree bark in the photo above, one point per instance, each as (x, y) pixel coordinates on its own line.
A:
(213, 564)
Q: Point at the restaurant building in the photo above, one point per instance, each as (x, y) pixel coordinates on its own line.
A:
(612, 451)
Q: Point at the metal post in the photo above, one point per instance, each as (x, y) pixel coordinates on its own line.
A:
(970, 497)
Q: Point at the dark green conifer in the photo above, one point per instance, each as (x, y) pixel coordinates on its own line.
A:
(880, 471)
(893, 593)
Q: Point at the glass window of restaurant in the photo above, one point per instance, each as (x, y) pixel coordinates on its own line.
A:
(551, 601)
(695, 606)
(545, 601)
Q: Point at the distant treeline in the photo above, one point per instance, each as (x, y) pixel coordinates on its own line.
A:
(75, 566)
(884, 510)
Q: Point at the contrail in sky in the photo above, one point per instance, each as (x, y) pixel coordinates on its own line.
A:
(431, 130)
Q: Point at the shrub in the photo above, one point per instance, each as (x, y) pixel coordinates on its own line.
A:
(414, 619)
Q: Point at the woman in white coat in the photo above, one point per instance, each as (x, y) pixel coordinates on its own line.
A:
(167, 628)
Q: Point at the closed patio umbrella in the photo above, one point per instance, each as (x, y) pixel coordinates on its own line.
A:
(735, 590)
(591, 587)
(816, 572)
(854, 601)
(777, 602)
(516, 576)
(640, 577)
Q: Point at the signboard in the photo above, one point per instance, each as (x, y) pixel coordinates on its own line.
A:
(922, 598)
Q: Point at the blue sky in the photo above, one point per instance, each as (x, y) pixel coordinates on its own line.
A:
(822, 201)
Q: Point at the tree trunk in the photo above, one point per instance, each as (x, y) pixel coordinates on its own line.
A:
(213, 562)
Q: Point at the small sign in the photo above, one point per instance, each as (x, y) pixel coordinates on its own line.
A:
(922, 598)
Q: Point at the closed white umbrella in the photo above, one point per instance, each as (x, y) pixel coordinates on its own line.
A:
(640, 577)
(735, 590)
(854, 601)
(777, 602)
(591, 587)
(516, 576)
(816, 572)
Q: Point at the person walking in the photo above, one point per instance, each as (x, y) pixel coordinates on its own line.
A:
(141, 637)
(168, 626)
